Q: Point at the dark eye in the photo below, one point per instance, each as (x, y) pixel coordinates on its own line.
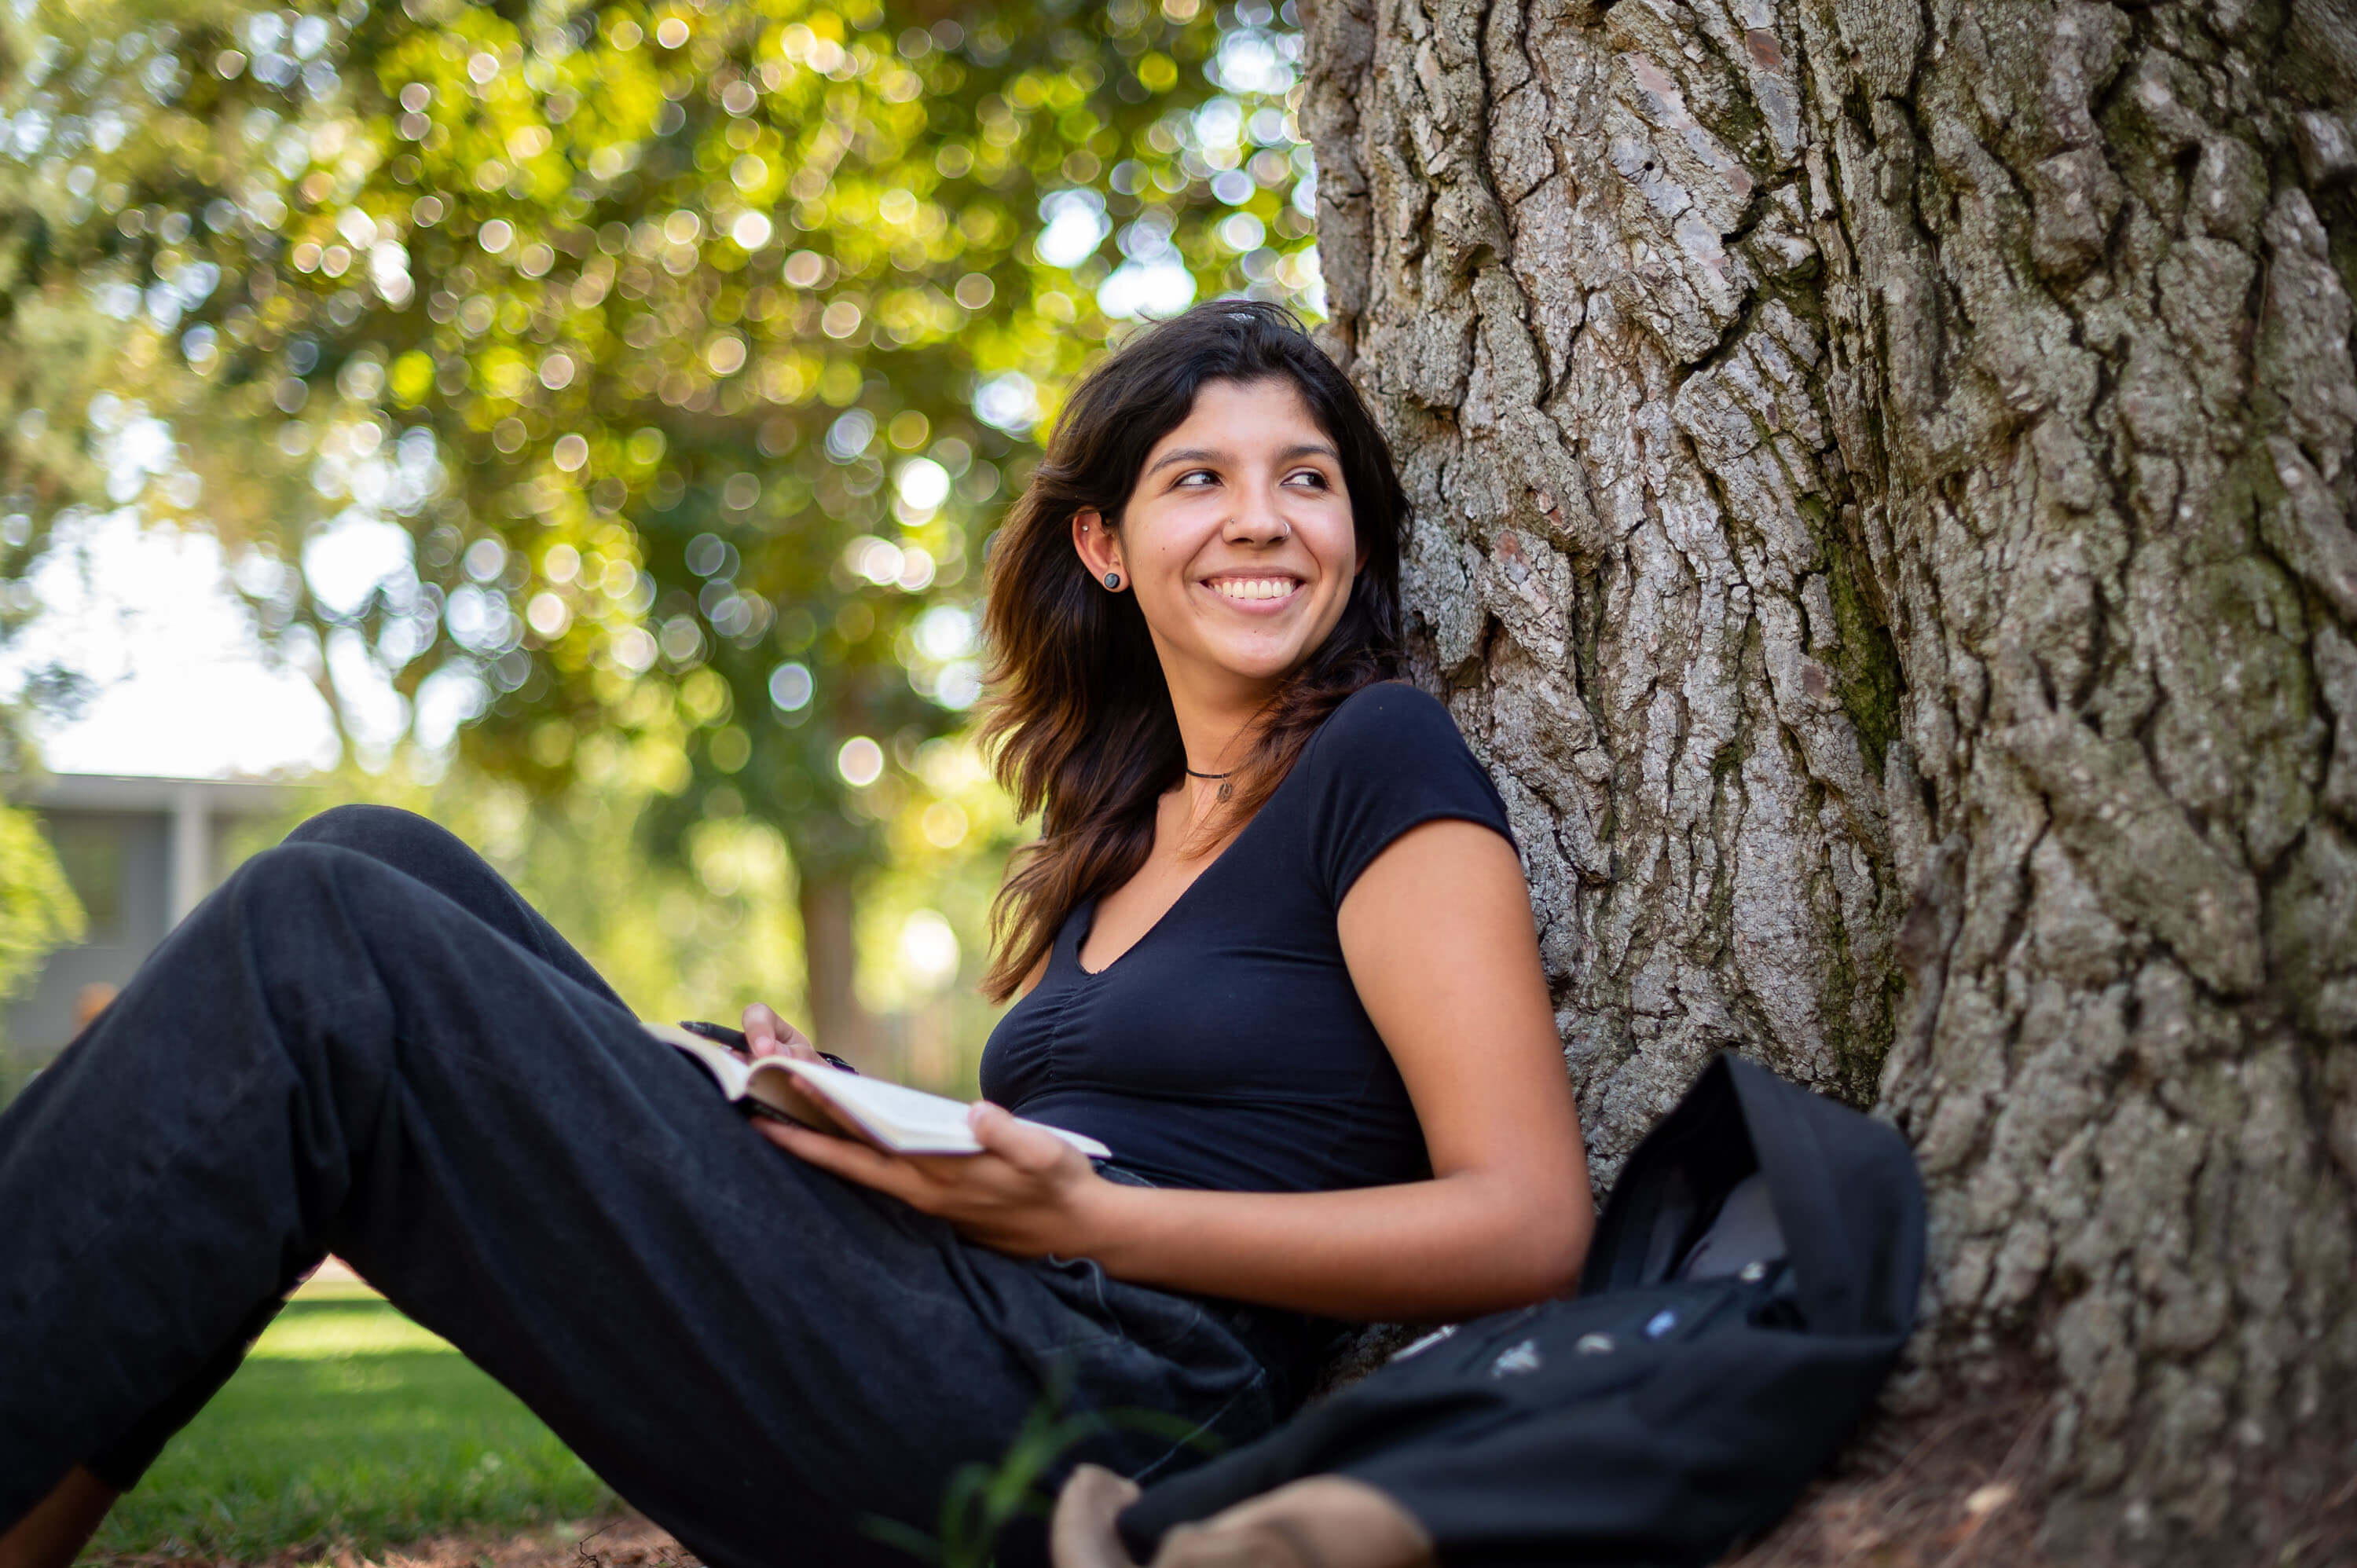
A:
(1307, 476)
(1190, 479)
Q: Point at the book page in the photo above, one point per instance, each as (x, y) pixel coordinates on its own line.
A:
(902, 1120)
(727, 1069)
(907, 1120)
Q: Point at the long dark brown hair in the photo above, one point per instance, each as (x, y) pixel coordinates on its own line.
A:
(1080, 721)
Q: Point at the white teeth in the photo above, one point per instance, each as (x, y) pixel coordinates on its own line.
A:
(1253, 587)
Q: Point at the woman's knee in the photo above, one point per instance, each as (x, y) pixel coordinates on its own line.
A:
(320, 918)
(295, 879)
(381, 833)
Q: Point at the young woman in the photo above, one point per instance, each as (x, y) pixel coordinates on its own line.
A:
(1273, 947)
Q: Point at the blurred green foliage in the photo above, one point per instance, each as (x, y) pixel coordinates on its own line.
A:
(698, 935)
(705, 932)
(38, 911)
(626, 387)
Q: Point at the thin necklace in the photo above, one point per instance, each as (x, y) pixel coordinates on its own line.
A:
(1225, 788)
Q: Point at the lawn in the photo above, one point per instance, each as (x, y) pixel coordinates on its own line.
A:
(350, 1426)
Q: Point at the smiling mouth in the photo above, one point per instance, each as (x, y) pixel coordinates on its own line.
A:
(1250, 589)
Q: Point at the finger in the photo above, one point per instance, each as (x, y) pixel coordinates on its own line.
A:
(792, 1042)
(820, 1117)
(776, 1132)
(1025, 1146)
(818, 1113)
(766, 1035)
(843, 1158)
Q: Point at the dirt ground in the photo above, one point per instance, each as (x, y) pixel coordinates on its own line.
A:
(628, 1542)
(1964, 1493)
(1970, 1490)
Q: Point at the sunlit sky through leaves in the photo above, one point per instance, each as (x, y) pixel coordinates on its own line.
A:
(183, 687)
(528, 365)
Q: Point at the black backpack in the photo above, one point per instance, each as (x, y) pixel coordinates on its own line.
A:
(1752, 1280)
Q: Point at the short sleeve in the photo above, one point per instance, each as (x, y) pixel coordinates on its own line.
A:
(1390, 760)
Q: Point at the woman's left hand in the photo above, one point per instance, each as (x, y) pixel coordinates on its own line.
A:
(1027, 1194)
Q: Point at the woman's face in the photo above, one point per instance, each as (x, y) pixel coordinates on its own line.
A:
(1237, 538)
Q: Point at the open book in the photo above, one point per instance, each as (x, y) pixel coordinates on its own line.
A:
(905, 1121)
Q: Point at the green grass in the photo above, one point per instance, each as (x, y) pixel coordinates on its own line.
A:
(351, 1424)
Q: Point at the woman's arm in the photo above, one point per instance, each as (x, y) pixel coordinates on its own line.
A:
(1438, 935)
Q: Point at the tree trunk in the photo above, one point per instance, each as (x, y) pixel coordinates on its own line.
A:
(838, 1023)
(1882, 475)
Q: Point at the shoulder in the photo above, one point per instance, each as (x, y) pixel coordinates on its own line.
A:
(1392, 722)
(1387, 760)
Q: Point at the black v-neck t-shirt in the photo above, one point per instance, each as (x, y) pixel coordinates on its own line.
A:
(1227, 1048)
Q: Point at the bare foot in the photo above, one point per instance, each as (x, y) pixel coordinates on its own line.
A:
(1082, 1534)
(1325, 1521)
(60, 1524)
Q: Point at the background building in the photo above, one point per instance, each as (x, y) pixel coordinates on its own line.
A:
(140, 853)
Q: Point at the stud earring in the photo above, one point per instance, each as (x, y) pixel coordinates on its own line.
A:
(1113, 579)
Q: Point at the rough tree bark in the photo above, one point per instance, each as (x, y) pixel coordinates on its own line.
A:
(1883, 478)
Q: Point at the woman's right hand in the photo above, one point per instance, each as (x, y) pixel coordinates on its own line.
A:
(766, 1035)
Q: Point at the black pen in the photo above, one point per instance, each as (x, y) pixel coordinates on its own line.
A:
(735, 1040)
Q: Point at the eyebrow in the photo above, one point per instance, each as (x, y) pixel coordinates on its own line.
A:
(1205, 455)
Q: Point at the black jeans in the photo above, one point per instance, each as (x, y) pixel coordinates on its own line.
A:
(367, 1043)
